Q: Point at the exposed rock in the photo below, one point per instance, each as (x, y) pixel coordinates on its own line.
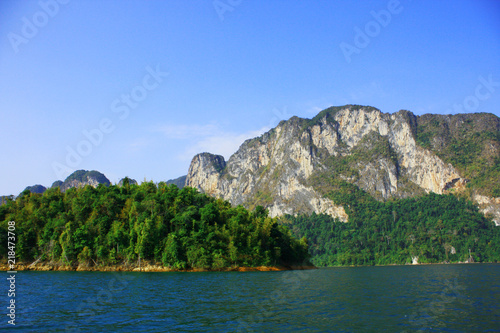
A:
(378, 152)
(489, 206)
(81, 178)
(204, 172)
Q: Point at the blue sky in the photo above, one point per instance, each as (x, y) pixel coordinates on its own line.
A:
(136, 88)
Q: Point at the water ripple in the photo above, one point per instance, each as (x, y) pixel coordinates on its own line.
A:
(437, 298)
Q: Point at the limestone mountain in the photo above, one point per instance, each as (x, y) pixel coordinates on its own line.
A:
(295, 167)
(127, 180)
(81, 178)
(36, 188)
(57, 183)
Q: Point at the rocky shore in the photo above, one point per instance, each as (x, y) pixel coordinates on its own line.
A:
(144, 268)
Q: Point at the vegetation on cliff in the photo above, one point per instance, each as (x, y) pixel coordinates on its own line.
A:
(36, 188)
(83, 175)
(435, 228)
(470, 142)
(159, 223)
(180, 182)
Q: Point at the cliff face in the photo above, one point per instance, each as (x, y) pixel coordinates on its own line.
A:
(286, 169)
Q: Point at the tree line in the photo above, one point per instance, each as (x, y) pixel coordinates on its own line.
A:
(435, 228)
(159, 223)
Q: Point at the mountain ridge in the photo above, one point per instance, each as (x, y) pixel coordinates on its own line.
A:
(289, 168)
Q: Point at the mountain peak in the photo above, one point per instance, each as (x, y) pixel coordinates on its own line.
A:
(81, 178)
(296, 166)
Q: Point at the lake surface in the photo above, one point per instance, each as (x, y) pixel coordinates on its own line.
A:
(434, 298)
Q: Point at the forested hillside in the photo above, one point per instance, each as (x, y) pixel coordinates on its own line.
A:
(179, 228)
(470, 142)
(434, 228)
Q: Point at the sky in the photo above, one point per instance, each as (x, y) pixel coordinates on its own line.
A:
(137, 88)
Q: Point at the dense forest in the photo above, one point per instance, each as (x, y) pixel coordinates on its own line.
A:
(183, 229)
(158, 223)
(434, 228)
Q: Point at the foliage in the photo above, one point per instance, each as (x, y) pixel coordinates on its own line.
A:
(431, 227)
(180, 228)
(470, 142)
(373, 146)
(333, 110)
(57, 183)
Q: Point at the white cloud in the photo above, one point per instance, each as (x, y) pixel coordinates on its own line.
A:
(222, 143)
(206, 138)
(314, 110)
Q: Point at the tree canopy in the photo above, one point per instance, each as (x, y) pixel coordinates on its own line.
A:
(179, 228)
(435, 228)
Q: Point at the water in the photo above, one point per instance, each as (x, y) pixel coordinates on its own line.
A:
(437, 298)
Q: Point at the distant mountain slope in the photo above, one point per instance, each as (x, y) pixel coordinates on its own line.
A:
(305, 165)
(36, 188)
(130, 181)
(81, 178)
(179, 182)
(5, 198)
(57, 183)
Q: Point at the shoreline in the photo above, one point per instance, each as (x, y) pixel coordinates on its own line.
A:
(419, 264)
(45, 267)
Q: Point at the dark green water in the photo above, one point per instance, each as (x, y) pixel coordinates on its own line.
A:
(437, 298)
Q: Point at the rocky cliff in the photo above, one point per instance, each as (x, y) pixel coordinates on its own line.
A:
(291, 168)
